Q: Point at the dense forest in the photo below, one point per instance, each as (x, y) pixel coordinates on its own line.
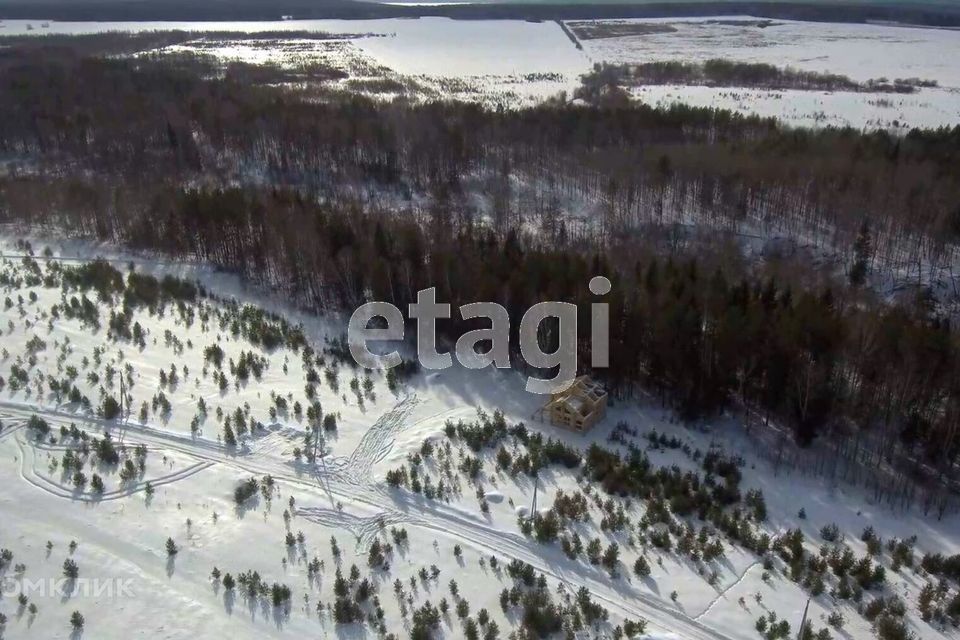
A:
(719, 72)
(334, 199)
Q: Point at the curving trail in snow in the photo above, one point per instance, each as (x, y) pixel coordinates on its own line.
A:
(359, 493)
(29, 473)
(23, 410)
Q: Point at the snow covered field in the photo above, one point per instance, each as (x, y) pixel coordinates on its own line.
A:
(501, 62)
(517, 63)
(184, 476)
(861, 52)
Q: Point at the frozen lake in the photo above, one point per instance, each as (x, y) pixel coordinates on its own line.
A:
(516, 63)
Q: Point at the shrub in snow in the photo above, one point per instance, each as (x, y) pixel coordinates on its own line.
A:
(110, 408)
(641, 568)
(245, 491)
(76, 620)
(70, 569)
(830, 532)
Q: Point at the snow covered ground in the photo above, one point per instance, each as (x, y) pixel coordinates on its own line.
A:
(129, 586)
(517, 63)
(861, 52)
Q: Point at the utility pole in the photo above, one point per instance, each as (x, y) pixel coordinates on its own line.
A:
(803, 622)
(533, 505)
(319, 448)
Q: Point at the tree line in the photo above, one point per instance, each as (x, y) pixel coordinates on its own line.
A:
(720, 72)
(659, 171)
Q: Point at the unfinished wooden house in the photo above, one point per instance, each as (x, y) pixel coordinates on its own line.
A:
(578, 407)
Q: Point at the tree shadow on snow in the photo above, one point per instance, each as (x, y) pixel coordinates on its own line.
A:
(351, 631)
(67, 589)
(229, 599)
(280, 616)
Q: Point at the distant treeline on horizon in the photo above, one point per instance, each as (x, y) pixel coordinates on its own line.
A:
(919, 13)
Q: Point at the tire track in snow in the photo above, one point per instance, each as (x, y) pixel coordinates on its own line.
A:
(375, 444)
(30, 475)
(363, 529)
(9, 430)
(440, 518)
(451, 523)
(116, 429)
(722, 594)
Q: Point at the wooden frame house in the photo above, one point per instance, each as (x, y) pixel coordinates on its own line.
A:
(578, 408)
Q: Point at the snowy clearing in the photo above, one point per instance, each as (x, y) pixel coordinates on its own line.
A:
(450, 511)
